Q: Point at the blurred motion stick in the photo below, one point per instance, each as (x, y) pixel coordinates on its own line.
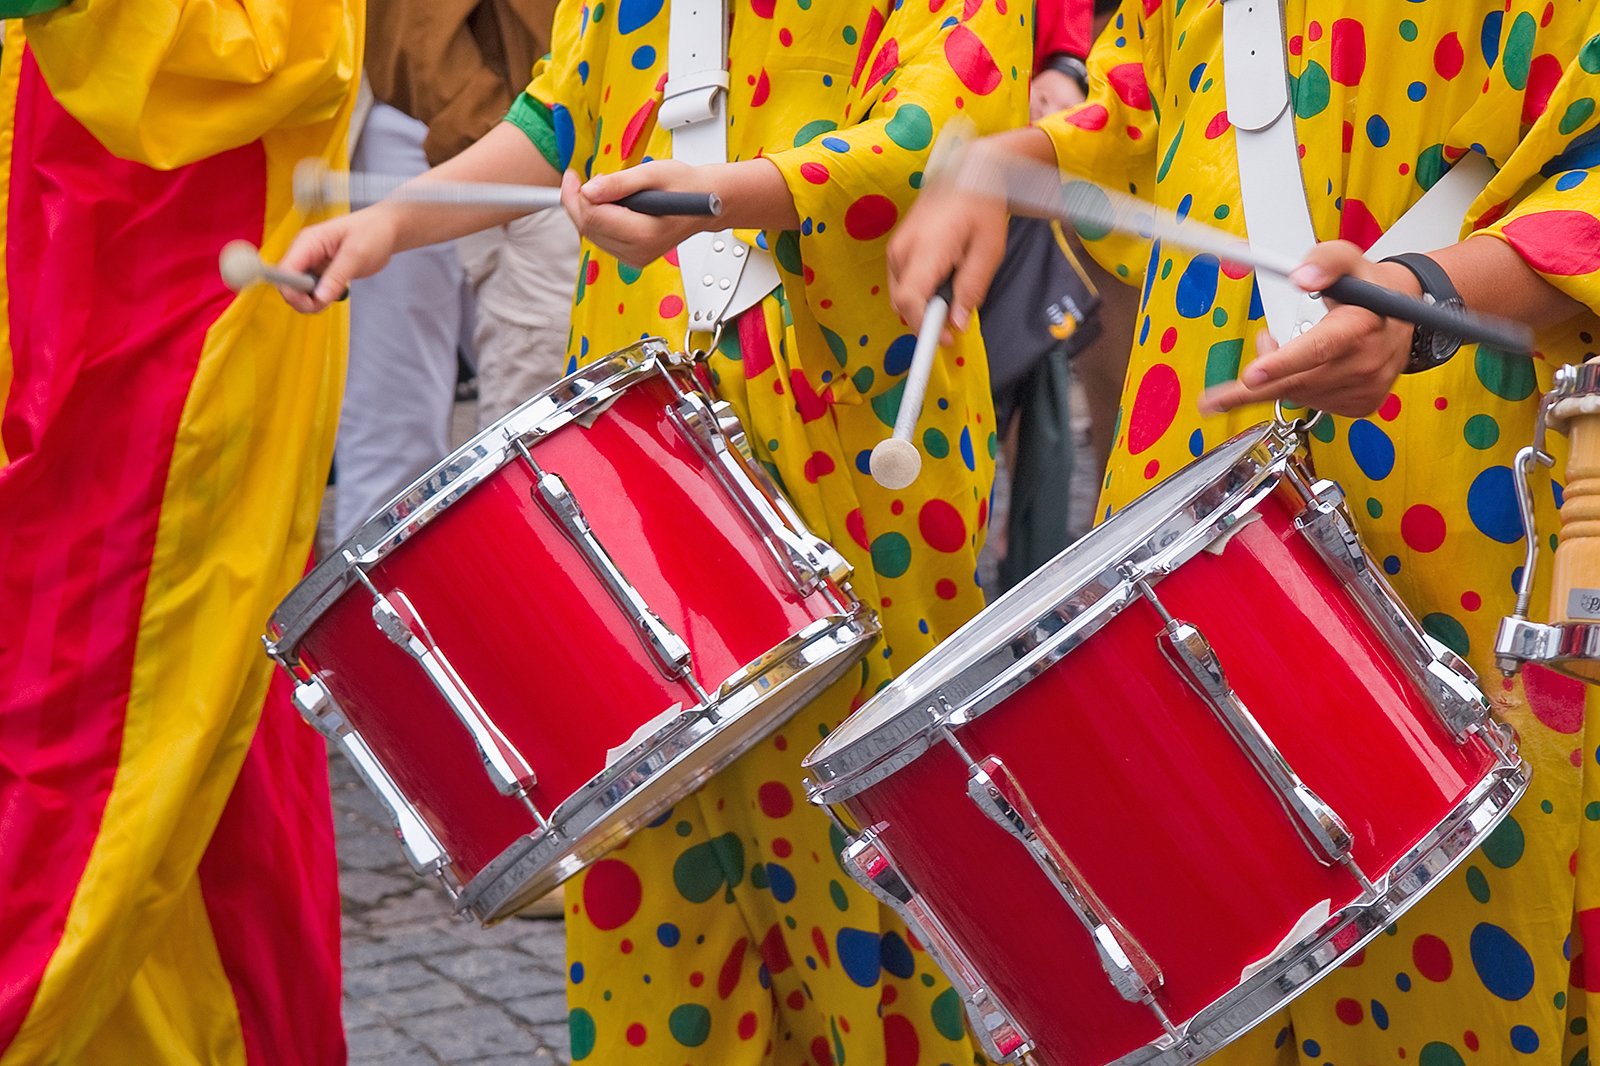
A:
(896, 462)
(241, 266)
(316, 188)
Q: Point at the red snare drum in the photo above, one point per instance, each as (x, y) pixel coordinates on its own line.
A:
(1174, 777)
(566, 627)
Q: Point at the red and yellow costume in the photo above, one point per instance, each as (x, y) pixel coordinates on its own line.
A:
(165, 846)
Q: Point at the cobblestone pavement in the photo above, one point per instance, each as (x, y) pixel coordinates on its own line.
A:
(422, 987)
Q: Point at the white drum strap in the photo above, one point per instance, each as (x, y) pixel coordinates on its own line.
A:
(722, 275)
(1277, 217)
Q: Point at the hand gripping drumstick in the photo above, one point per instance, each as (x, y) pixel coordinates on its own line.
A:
(1039, 187)
(896, 462)
(241, 266)
(316, 188)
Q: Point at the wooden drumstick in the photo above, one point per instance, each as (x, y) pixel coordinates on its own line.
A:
(241, 266)
(316, 188)
(896, 462)
(1575, 593)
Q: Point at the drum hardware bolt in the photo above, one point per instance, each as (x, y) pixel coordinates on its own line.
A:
(738, 251)
(719, 246)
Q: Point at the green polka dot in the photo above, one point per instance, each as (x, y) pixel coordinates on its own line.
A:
(1430, 166)
(850, 35)
(837, 894)
(886, 405)
(1172, 152)
(910, 127)
(862, 379)
(1560, 1000)
(1579, 1026)
(1219, 317)
(700, 871)
(689, 1024)
(994, 445)
(1323, 431)
(758, 876)
(1519, 51)
(935, 443)
(1477, 884)
(1589, 55)
(891, 554)
(1408, 29)
(580, 1025)
(1592, 812)
(1447, 631)
(1481, 432)
(627, 273)
(1222, 362)
(1312, 90)
(927, 980)
(1577, 114)
(1439, 1054)
(683, 829)
(599, 13)
(1547, 807)
(1504, 845)
(1221, 212)
(786, 250)
(1166, 270)
(1093, 203)
(813, 130)
(1374, 508)
(1509, 377)
(947, 1015)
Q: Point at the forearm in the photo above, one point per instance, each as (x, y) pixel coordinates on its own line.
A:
(504, 154)
(1492, 278)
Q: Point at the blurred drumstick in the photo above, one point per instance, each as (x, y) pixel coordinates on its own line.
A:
(241, 266)
(1043, 189)
(316, 188)
(896, 462)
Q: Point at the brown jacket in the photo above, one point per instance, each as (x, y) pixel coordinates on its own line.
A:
(454, 64)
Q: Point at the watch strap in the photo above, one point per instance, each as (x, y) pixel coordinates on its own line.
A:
(1429, 274)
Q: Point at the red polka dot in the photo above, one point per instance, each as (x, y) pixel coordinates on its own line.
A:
(1088, 117)
(671, 306)
(1555, 699)
(945, 589)
(782, 848)
(897, 507)
(1218, 125)
(747, 1025)
(636, 1034)
(1348, 52)
(1564, 243)
(1127, 81)
(983, 512)
(1542, 78)
(1576, 758)
(1390, 409)
(971, 61)
(1314, 31)
(1470, 1039)
(1348, 1010)
(1155, 404)
(1151, 469)
(1448, 56)
(819, 943)
(1432, 958)
(870, 217)
(697, 979)
(763, 8)
(1357, 225)
(1357, 959)
(942, 527)
(732, 966)
(1169, 339)
(815, 173)
(819, 465)
(856, 526)
(591, 272)
(626, 946)
(1471, 601)
(900, 1044)
(611, 893)
(775, 799)
(786, 37)
(1422, 528)
(796, 1000)
(781, 742)
(1440, 403)
(635, 127)
(821, 1054)
(763, 90)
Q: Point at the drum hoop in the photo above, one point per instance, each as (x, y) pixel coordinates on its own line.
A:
(480, 458)
(996, 670)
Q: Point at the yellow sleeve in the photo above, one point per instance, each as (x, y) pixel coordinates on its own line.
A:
(854, 182)
(1541, 107)
(558, 100)
(167, 82)
(1112, 137)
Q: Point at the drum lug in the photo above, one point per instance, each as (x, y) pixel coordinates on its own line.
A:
(867, 860)
(717, 435)
(1445, 678)
(1186, 648)
(555, 498)
(423, 850)
(995, 790)
(398, 620)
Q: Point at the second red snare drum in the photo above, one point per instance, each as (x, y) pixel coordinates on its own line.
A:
(566, 627)
(1174, 777)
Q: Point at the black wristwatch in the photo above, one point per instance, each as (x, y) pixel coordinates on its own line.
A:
(1070, 65)
(1430, 348)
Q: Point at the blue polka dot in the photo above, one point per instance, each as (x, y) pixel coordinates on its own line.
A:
(1197, 288)
(1380, 1015)
(1492, 505)
(1402, 981)
(1416, 90)
(566, 135)
(644, 57)
(668, 934)
(659, 822)
(1256, 311)
(1377, 131)
(1372, 449)
(864, 461)
(1144, 330)
(859, 953)
(967, 455)
(1391, 565)
(897, 360)
(1571, 179)
(632, 14)
(896, 957)
(836, 144)
(1312, 1048)
(1195, 75)
(1489, 37)
(576, 973)
(583, 72)
(1197, 443)
(1185, 205)
(1524, 1039)
(1503, 965)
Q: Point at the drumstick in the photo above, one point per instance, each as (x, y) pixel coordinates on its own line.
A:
(241, 266)
(1039, 187)
(316, 188)
(896, 462)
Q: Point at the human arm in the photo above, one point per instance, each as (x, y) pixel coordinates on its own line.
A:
(165, 83)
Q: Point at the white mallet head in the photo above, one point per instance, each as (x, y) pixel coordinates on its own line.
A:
(895, 463)
(239, 264)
